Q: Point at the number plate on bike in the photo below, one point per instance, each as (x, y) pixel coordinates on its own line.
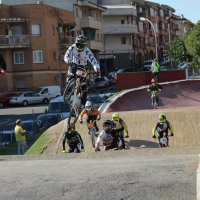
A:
(163, 140)
(90, 125)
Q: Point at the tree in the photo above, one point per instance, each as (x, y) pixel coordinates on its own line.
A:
(192, 43)
(177, 51)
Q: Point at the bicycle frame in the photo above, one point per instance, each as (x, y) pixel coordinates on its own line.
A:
(92, 131)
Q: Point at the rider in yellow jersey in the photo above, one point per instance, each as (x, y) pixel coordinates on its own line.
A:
(119, 126)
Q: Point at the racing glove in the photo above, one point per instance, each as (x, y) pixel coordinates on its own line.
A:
(154, 136)
(172, 134)
(98, 118)
(81, 121)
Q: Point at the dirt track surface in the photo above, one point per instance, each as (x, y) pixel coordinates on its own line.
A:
(174, 98)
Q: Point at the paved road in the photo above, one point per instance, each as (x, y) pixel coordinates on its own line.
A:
(8, 116)
(140, 178)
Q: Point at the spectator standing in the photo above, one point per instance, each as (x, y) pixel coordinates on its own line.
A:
(155, 68)
(20, 136)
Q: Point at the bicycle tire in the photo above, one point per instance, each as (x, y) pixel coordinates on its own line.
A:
(92, 139)
(69, 90)
(73, 116)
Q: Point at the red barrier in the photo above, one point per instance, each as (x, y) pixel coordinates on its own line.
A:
(137, 79)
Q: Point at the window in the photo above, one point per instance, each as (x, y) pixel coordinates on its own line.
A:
(18, 58)
(37, 57)
(36, 30)
(122, 21)
(76, 12)
(54, 55)
(123, 40)
(45, 91)
(53, 31)
(152, 12)
(20, 84)
(161, 13)
(170, 13)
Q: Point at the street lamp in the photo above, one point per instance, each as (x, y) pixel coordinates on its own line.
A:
(169, 33)
(144, 19)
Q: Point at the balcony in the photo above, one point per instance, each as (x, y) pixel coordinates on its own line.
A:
(14, 41)
(90, 22)
(120, 29)
(95, 45)
(67, 41)
(175, 27)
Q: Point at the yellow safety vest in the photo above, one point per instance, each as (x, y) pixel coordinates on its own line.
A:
(155, 67)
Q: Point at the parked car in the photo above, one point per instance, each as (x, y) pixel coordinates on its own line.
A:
(29, 126)
(5, 98)
(123, 70)
(96, 100)
(183, 65)
(49, 92)
(48, 120)
(162, 61)
(58, 106)
(167, 61)
(6, 137)
(26, 98)
(147, 64)
(101, 82)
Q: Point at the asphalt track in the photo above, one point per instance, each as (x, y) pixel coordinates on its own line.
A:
(174, 95)
(143, 172)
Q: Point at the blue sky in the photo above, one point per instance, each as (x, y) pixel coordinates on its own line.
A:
(189, 8)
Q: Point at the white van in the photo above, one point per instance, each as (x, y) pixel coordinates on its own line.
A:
(58, 106)
(50, 92)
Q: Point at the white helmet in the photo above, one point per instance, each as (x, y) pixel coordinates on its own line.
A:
(88, 106)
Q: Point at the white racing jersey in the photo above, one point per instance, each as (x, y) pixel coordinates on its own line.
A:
(107, 139)
(80, 58)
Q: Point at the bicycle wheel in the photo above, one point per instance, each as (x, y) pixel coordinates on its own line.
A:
(92, 139)
(69, 90)
(73, 116)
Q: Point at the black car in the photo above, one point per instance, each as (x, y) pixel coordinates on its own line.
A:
(48, 120)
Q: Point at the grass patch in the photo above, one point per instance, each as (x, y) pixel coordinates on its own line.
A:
(11, 148)
(39, 145)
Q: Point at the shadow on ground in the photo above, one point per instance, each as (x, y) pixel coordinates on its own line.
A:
(141, 144)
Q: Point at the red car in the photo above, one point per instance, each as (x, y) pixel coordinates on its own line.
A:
(5, 98)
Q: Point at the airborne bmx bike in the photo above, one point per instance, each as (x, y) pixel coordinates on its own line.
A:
(74, 87)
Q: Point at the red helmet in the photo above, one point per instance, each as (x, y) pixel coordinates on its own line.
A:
(153, 80)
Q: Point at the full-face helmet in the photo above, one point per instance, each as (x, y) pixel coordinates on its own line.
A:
(81, 42)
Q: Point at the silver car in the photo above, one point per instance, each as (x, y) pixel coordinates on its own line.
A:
(25, 98)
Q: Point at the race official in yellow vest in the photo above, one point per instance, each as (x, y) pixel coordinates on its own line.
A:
(155, 68)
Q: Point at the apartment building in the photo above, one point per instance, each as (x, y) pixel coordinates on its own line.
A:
(30, 44)
(88, 19)
(141, 43)
(182, 25)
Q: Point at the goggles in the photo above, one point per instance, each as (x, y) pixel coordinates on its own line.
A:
(116, 119)
(80, 45)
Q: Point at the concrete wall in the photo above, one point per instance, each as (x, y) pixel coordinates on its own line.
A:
(137, 79)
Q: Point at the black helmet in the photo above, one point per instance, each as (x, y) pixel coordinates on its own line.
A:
(81, 42)
(107, 126)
